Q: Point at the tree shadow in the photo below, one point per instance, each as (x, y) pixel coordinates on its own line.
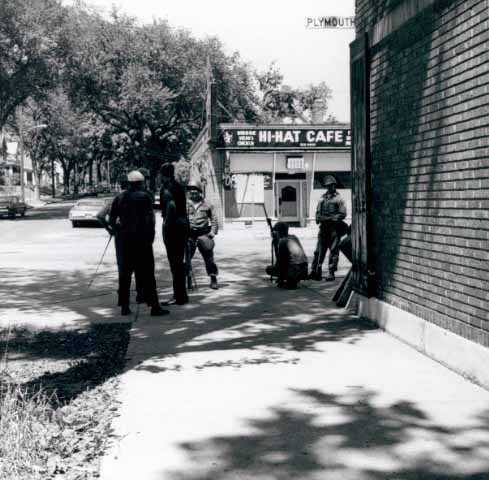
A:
(348, 435)
(94, 355)
(247, 313)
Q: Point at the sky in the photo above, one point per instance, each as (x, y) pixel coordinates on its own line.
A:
(266, 31)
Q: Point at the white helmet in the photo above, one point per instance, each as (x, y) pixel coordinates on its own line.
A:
(135, 176)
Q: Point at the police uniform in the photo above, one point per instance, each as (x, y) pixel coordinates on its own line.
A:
(330, 212)
(203, 228)
(291, 266)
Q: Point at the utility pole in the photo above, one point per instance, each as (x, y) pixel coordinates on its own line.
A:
(53, 186)
(20, 121)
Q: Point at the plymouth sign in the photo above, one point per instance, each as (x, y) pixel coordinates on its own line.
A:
(281, 138)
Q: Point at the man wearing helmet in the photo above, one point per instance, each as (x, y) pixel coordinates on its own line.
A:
(330, 212)
(203, 229)
(291, 265)
(132, 220)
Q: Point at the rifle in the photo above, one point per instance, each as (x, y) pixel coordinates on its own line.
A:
(189, 273)
(269, 223)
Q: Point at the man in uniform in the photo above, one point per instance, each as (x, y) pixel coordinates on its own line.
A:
(132, 221)
(175, 228)
(203, 229)
(291, 265)
(330, 212)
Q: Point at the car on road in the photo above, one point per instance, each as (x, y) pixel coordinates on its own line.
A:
(11, 206)
(85, 211)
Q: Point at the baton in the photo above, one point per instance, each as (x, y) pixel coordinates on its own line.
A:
(99, 263)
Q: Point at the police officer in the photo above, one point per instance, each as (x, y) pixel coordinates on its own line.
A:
(330, 212)
(175, 228)
(291, 266)
(132, 221)
(203, 229)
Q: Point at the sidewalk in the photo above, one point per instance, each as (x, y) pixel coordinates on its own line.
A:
(252, 382)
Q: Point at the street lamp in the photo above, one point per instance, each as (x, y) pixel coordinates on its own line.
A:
(21, 145)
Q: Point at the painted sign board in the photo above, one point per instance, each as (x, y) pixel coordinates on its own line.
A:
(284, 138)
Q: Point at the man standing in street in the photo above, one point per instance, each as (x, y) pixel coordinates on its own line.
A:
(330, 212)
(175, 226)
(203, 229)
(132, 221)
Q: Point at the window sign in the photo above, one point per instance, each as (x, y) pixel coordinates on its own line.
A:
(249, 188)
(295, 163)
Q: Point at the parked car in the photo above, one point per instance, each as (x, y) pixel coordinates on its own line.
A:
(11, 206)
(85, 211)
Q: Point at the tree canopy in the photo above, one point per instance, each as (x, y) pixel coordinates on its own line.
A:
(109, 88)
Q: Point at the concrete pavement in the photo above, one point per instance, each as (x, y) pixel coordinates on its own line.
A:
(249, 382)
(252, 382)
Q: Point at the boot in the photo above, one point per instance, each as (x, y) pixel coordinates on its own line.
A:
(157, 311)
(315, 276)
(213, 284)
(330, 277)
(125, 310)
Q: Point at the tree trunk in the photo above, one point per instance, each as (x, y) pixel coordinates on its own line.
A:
(66, 179)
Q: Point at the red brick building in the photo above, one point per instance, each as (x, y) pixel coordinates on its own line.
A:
(420, 160)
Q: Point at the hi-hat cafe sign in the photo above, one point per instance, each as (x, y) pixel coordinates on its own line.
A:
(281, 138)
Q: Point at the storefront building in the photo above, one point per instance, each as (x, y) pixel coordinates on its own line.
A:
(254, 171)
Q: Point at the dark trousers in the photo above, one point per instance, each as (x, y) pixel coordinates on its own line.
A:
(175, 239)
(136, 256)
(205, 245)
(137, 272)
(290, 275)
(328, 239)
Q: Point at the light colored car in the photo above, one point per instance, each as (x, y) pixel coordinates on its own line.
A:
(11, 206)
(85, 211)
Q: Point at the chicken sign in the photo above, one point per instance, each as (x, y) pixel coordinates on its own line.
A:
(284, 138)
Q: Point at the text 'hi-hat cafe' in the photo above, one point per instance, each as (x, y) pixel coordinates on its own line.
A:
(248, 170)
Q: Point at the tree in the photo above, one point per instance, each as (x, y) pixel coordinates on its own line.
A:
(67, 139)
(278, 101)
(31, 45)
(148, 84)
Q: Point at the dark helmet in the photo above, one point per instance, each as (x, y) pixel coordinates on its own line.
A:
(329, 180)
(281, 228)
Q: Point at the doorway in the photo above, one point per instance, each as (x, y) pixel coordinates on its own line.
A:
(289, 200)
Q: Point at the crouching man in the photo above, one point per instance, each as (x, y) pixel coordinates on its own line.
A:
(291, 265)
(203, 229)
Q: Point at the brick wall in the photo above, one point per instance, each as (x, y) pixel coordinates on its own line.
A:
(430, 163)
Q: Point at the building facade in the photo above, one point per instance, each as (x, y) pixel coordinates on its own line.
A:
(255, 171)
(420, 156)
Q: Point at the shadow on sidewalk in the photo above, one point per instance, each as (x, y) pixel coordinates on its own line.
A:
(343, 437)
